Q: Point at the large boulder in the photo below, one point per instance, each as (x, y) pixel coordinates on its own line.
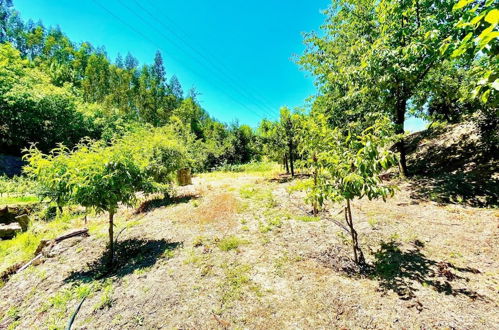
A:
(12, 221)
(8, 215)
(10, 230)
(23, 221)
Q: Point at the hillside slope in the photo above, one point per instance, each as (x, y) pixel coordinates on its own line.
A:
(239, 251)
(456, 164)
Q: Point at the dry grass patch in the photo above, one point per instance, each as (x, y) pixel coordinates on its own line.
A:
(217, 209)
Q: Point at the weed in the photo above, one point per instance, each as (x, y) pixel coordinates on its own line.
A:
(192, 257)
(168, 254)
(345, 240)
(106, 300)
(8, 200)
(199, 241)
(236, 278)
(372, 222)
(142, 271)
(13, 313)
(230, 243)
(264, 228)
(306, 218)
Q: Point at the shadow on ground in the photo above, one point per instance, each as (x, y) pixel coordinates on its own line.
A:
(469, 189)
(155, 203)
(399, 271)
(402, 271)
(130, 255)
(456, 164)
(283, 178)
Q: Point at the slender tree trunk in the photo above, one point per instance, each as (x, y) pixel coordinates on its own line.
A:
(111, 239)
(399, 129)
(315, 185)
(286, 163)
(291, 160)
(357, 252)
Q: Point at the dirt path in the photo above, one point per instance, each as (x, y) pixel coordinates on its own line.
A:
(239, 251)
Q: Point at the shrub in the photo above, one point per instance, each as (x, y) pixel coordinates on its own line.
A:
(102, 177)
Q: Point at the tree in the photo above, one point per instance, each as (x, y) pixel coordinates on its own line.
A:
(289, 124)
(346, 163)
(478, 24)
(176, 88)
(96, 175)
(273, 142)
(131, 63)
(119, 61)
(5, 12)
(374, 57)
(158, 69)
(32, 110)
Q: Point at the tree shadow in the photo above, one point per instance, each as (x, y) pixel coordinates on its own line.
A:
(130, 255)
(399, 271)
(472, 188)
(283, 178)
(454, 165)
(159, 202)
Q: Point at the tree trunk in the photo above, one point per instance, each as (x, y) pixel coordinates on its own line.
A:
(399, 129)
(357, 252)
(315, 185)
(111, 239)
(286, 163)
(291, 165)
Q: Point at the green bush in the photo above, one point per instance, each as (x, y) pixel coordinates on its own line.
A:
(101, 176)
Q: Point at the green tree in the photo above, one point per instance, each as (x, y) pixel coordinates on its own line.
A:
(478, 23)
(346, 164)
(374, 57)
(102, 177)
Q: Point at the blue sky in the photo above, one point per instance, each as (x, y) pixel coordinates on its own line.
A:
(238, 54)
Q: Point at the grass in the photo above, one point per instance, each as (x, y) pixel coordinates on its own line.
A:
(259, 194)
(22, 247)
(281, 264)
(11, 200)
(106, 300)
(253, 167)
(306, 218)
(236, 279)
(230, 243)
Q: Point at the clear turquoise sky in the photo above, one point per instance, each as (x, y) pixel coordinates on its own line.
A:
(238, 54)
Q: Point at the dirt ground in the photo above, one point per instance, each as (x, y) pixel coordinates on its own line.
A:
(241, 251)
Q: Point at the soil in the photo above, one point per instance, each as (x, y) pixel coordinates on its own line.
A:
(240, 251)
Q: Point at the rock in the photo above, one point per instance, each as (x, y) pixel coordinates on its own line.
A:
(7, 215)
(10, 230)
(23, 221)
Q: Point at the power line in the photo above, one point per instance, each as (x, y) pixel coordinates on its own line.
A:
(178, 46)
(180, 61)
(212, 59)
(216, 68)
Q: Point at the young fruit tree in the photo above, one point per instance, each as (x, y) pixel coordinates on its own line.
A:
(103, 177)
(347, 165)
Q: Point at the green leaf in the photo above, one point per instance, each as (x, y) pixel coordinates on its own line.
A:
(461, 4)
(485, 96)
(492, 17)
